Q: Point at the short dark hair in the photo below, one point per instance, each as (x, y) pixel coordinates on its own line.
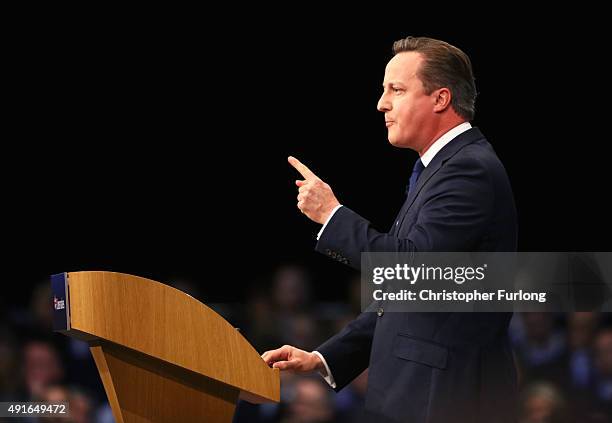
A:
(444, 66)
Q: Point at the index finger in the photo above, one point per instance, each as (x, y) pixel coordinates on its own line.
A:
(302, 168)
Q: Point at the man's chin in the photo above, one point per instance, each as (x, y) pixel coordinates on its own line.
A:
(397, 143)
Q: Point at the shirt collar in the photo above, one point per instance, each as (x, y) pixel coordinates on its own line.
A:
(428, 156)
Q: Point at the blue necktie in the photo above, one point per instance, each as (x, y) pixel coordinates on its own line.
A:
(416, 172)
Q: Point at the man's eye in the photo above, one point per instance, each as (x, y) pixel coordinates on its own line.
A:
(396, 90)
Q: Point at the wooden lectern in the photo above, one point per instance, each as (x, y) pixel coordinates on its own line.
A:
(162, 355)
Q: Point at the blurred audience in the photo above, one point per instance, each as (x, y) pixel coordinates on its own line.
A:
(311, 402)
(603, 373)
(80, 406)
(581, 329)
(291, 289)
(543, 403)
(350, 401)
(11, 386)
(541, 348)
(42, 367)
(564, 360)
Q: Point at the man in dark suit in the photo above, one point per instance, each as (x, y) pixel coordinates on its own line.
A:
(423, 367)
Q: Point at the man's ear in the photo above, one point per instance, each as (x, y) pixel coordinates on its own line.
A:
(442, 99)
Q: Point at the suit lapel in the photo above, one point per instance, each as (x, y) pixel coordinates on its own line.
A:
(448, 151)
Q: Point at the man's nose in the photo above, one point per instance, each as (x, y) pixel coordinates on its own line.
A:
(384, 105)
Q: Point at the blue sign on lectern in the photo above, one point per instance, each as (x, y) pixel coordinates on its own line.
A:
(59, 294)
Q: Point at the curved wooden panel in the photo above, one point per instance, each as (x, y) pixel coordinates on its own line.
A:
(167, 324)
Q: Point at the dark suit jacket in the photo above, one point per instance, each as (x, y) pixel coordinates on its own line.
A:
(433, 367)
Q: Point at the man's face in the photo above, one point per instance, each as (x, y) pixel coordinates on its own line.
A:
(603, 353)
(408, 110)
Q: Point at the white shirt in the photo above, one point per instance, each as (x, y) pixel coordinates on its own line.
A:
(426, 158)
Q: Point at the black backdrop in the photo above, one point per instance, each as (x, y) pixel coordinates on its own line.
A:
(157, 146)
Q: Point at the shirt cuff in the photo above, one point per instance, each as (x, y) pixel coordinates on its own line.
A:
(329, 378)
(326, 222)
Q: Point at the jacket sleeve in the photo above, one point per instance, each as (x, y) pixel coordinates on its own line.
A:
(348, 353)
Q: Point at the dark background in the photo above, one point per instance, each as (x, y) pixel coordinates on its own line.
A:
(156, 145)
